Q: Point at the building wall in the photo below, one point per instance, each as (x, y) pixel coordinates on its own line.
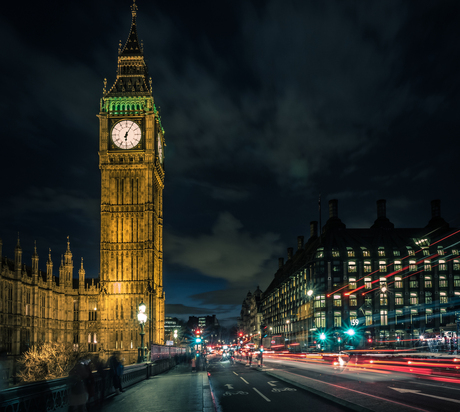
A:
(396, 284)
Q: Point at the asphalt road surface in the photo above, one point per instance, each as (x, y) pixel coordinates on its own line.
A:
(238, 387)
(377, 390)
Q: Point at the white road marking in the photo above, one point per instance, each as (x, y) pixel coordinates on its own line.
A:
(272, 383)
(235, 373)
(263, 396)
(418, 392)
(229, 386)
(244, 380)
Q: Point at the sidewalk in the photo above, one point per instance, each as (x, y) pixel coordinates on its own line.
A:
(177, 390)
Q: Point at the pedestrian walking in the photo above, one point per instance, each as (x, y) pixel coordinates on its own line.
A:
(193, 364)
(116, 371)
(78, 392)
(250, 358)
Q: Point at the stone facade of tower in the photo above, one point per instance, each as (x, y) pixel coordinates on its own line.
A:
(131, 155)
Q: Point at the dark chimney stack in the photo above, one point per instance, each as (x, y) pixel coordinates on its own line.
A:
(333, 208)
(290, 250)
(436, 208)
(381, 208)
(314, 229)
(299, 242)
(280, 262)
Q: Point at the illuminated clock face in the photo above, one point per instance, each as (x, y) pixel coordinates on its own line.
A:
(160, 148)
(126, 134)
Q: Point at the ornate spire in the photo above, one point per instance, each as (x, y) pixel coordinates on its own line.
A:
(132, 73)
(35, 248)
(82, 263)
(18, 245)
(68, 243)
(134, 9)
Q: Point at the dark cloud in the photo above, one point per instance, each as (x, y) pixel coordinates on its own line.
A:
(265, 105)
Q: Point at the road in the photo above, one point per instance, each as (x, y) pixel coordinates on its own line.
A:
(374, 389)
(238, 387)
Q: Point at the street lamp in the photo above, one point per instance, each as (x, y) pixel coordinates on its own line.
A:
(142, 318)
(288, 332)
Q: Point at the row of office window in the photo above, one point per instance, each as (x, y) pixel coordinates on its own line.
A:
(381, 318)
(440, 251)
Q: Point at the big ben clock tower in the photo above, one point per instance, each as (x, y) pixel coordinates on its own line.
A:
(131, 142)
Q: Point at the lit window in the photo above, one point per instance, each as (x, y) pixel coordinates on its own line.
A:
(320, 301)
(383, 299)
(366, 252)
(440, 251)
(368, 315)
(398, 282)
(399, 299)
(398, 314)
(413, 315)
(427, 265)
(353, 315)
(456, 281)
(319, 252)
(428, 282)
(337, 319)
(426, 252)
(352, 267)
(382, 266)
(428, 315)
(381, 251)
(352, 284)
(442, 265)
(442, 314)
(428, 298)
(396, 252)
(335, 252)
(398, 265)
(413, 298)
(410, 251)
(367, 266)
(384, 317)
(353, 300)
(412, 265)
(456, 265)
(320, 319)
(413, 282)
(368, 283)
(443, 297)
(455, 252)
(350, 252)
(337, 300)
(442, 282)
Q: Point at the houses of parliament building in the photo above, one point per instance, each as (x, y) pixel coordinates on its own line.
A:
(101, 314)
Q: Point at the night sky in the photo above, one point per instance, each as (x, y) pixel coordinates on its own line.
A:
(265, 104)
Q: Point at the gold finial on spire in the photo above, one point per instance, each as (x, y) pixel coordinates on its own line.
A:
(150, 81)
(134, 9)
(104, 89)
(119, 47)
(82, 262)
(68, 243)
(35, 247)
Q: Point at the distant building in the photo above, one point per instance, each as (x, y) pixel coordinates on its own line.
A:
(209, 325)
(171, 325)
(251, 316)
(392, 286)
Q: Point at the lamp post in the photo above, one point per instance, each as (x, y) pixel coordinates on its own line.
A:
(142, 318)
(288, 332)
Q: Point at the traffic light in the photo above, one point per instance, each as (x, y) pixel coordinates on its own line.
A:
(350, 332)
(339, 339)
